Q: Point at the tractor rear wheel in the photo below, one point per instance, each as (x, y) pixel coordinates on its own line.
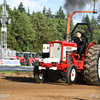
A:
(71, 74)
(92, 65)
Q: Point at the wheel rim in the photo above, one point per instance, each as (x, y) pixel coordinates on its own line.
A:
(73, 74)
(41, 76)
(99, 68)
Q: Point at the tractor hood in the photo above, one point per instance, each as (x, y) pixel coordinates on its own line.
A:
(58, 49)
(65, 43)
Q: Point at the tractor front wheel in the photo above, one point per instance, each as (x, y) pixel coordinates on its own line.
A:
(38, 74)
(71, 74)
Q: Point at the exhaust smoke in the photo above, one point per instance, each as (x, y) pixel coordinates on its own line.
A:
(73, 5)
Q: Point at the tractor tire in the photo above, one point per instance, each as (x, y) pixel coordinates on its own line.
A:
(71, 74)
(38, 77)
(92, 65)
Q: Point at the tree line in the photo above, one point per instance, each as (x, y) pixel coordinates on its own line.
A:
(28, 32)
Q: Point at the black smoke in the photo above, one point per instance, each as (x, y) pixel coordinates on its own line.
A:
(73, 5)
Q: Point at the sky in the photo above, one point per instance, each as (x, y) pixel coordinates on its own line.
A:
(54, 5)
(36, 5)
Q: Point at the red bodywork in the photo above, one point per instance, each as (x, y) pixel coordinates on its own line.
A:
(33, 59)
(22, 59)
(63, 65)
(92, 43)
(64, 43)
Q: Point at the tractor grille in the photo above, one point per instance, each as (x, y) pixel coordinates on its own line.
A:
(55, 50)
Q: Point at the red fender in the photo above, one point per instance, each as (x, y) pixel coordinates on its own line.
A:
(91, 43)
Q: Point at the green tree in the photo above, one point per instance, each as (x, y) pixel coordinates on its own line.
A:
(21, 8)
(83, 19)
(87, 19)
(28, 13)
(60, 29)
(98, 19)
(93, 23)
(0, 24)
(44, 11)
(44, 28)
(49, 13)
(96, 36)
(21, 35)
(60, 14)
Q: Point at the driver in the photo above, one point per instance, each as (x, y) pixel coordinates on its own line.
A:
(81, 42)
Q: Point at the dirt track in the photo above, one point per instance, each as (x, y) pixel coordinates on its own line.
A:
(24, 87)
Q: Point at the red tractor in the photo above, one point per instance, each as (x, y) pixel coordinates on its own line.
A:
(63, 62)
(31, 57)
(23, 61)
